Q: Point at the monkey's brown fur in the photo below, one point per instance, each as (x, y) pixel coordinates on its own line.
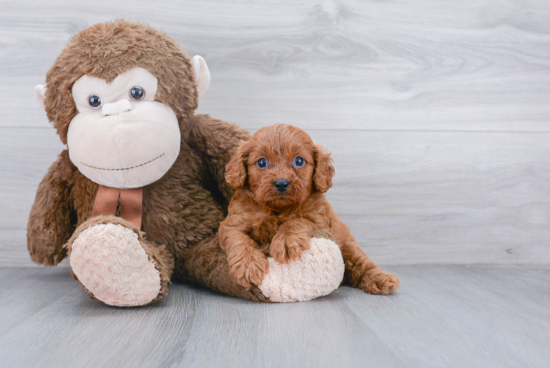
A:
(182, 210)
(263, 221)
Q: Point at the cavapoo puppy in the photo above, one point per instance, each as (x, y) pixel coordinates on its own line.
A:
(280, 178)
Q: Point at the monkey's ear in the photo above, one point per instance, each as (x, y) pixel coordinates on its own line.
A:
(40, 91)
(236, 170)
(202, 74)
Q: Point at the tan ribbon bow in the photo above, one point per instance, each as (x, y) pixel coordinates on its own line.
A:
(131, 201)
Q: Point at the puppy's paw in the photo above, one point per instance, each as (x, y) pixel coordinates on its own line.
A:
(379, 282)
(288, 246)
(250, 270)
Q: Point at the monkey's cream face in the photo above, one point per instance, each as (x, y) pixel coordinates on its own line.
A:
(121, 137)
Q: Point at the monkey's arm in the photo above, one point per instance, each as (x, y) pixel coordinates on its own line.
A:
(216, 141)
(51, 219)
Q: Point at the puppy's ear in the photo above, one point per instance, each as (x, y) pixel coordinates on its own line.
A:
(236, 169)
(324, 171)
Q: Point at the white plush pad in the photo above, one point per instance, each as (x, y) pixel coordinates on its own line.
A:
(317, 272)
(110, 262)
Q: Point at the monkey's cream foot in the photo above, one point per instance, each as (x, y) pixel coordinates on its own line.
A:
(111, 263)
(317, 272)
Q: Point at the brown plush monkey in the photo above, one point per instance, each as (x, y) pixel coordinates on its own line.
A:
(139, 193)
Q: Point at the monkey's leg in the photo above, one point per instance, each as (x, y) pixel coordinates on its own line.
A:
(317, 272)
(115, 265)
(206, 263)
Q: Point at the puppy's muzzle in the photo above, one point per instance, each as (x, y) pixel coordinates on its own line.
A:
(281, 185)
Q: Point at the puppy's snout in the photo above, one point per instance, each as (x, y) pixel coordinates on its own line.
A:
(281, 184)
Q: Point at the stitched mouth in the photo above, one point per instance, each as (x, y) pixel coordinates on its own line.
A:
(124, 168)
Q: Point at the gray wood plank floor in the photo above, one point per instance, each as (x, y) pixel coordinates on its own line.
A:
(443, 316)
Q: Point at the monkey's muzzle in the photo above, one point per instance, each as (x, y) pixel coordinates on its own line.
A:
(125, 144)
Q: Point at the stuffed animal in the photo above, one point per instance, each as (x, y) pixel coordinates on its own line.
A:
(137, 197)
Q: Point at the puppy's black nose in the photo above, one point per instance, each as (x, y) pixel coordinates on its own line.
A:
(281, 184)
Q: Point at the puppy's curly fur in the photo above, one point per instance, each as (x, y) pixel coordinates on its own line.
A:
(265, 220)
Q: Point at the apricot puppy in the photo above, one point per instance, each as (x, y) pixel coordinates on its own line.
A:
(281, 177)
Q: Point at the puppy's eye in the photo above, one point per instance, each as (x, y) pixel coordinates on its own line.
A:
(299, 161)
(262, 163)
(95, 102)
(137, 93)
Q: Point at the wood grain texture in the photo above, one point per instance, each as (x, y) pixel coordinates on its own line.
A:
(409, 197)
(443, 316)
(422, 65)
(437, 113)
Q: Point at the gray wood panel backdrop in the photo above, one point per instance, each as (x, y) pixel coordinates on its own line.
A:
(437, 112)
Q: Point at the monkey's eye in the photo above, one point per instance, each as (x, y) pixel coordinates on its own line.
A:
(262, 163)
(137, 93)
(299, 161)
(95, 102)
